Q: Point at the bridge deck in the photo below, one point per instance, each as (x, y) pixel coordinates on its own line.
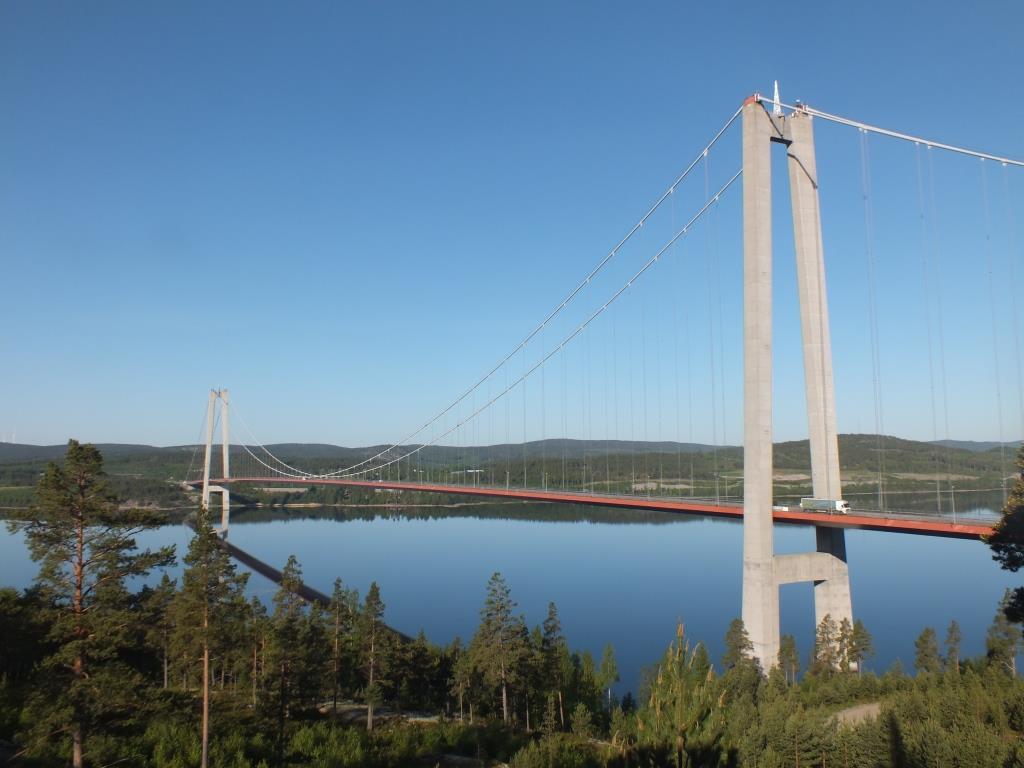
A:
(890, 522)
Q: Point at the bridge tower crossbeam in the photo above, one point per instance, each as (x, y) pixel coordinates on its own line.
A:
(763, 570)
(218, 396)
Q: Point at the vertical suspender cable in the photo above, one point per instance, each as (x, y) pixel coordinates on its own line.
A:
(925, 259)
(606, 432)
(524, 417)
(632, 417)
(543, 424)
(876, 375)
(1011, 254)
(675, 286)
(615, 392)
(590, 412)
(716, 262)
(942, 334)
(643, 382)
(711, 338)
(565, 410)
(995, 328)
(658, 390)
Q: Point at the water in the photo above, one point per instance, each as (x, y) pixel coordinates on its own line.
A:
(614, 582)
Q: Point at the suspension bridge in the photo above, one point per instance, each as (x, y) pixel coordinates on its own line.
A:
(566, 415)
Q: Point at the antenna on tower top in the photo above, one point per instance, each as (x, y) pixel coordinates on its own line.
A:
(777, 109)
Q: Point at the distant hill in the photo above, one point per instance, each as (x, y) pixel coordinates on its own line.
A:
(18, 452)
(977, 446)
(11, 453)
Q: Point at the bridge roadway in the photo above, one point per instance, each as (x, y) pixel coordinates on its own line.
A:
(892, 522)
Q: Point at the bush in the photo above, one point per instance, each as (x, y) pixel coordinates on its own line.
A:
(326, 745)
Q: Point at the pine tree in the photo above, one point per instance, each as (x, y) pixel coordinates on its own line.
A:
(1007, 540)
(209, 585)
(554, 650)
(608, 673)
(342, 615)
(285, 649)
(789, 659)
(259, 631)
(844, 645)
(685, 710)
(738, 646)
(826, 642)
(1003, 638)
(497, 647)
(861, 645)
(157, 603)
(926, 652)
(464, 679)
(371, 626)
(953, 639)
(582, 722)
(314, 656)
(86, 547)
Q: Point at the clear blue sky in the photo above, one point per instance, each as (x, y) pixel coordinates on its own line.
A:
(344, 212)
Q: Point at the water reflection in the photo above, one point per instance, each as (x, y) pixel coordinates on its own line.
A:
(618, 576)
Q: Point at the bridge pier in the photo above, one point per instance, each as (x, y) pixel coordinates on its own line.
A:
(763, 571)
(207, 488)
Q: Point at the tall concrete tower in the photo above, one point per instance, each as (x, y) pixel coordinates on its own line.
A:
(221, 396)
(763, 570)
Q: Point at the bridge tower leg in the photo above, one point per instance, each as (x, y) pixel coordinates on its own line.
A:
(225, 495)
(760, 592)
(763, 570)
(831, 594)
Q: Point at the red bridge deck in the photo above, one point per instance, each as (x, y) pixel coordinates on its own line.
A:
(891, 522)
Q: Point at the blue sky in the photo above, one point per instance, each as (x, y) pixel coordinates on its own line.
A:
(347, 212)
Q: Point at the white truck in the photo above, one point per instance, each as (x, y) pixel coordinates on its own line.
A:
(832, 506)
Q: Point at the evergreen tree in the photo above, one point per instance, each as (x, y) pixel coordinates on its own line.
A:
(685, 711)
(1007, 540)
(826, 647)
(582, 722)
(844, 644)
(608, 673)
(738, 646)
(285, 650)
(861, 645)
(371, 630)
(535, 684)
(209, 585)
(157, 604)
(926, 652)
(259, 635)
(953, 639)
(1003, 638)
(555, 652)
(465, 680)
(342, 615)
(314, 656)
(497, 647)
(789, 659)
(85, 545)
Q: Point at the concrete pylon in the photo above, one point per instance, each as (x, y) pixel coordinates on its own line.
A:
(225, 495)
(225, 434)
(832, 594)
(763, 570)
(760, 593)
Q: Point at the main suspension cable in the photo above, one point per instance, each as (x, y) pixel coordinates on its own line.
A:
(564, 303)
(578, 330)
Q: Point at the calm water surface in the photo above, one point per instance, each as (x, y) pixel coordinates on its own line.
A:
(623, 583)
